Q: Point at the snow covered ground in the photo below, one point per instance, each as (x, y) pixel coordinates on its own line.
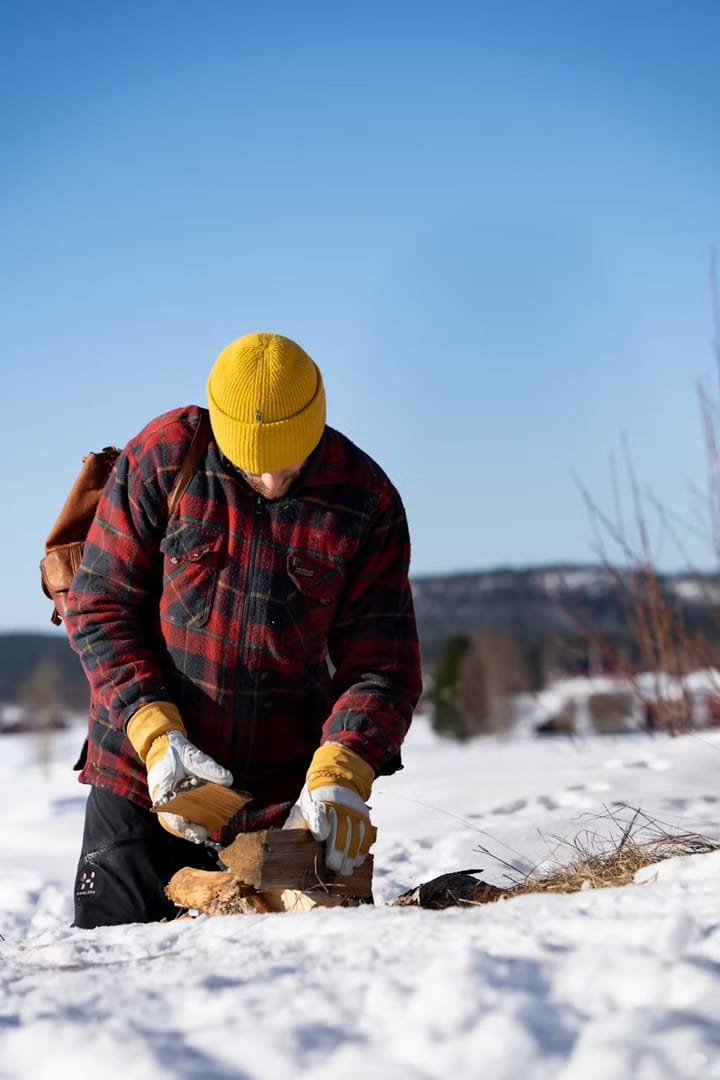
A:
(620, 983)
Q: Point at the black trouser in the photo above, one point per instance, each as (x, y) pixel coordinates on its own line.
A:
(127, 859)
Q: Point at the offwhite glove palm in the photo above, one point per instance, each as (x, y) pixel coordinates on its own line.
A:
(173, 764)
(332, 806)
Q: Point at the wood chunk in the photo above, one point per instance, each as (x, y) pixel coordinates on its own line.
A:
(208, 804)
(450, 890)
(292, 859)
(214, 892)
(218, 892)
(295, 900)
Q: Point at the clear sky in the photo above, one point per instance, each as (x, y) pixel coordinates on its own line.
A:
(489, 224)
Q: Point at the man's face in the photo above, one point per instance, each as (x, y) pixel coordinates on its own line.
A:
(273, 485)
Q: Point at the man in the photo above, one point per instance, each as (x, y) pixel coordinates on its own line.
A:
(263, 637)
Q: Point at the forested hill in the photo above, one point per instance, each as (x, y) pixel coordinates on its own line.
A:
(537, 604)
(534, 604)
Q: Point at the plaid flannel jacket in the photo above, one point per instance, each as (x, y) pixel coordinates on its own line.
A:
(273, 625)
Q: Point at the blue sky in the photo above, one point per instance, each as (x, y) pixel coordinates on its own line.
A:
(489, 223)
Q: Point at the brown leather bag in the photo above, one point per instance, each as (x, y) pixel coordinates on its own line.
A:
(64, 545)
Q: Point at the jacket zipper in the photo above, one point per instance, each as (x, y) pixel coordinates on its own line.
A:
(246, 610)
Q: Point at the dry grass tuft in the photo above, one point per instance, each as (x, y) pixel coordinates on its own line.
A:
(597, 861)
(600, 861)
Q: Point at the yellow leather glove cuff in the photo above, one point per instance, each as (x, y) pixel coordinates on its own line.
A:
(333, 763)
(148, 724)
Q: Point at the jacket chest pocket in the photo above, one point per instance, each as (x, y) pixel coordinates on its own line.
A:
(191, 558)
(315, 589)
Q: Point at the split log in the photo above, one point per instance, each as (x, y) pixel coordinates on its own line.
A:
(292, 859)
(272, 870)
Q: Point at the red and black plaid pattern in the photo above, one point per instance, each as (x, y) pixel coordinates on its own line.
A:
(272, 625)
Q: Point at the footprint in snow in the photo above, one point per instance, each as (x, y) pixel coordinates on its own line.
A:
(654, 764)
(511, 807)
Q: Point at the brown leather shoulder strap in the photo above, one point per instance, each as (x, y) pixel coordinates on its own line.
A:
(197, 448)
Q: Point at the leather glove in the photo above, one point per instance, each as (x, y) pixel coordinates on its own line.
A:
(158, 736)
(332, 805)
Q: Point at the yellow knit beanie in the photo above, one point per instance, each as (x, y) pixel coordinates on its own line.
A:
(267, 403)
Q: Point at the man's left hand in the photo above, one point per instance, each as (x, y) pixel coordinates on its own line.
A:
(332, 805)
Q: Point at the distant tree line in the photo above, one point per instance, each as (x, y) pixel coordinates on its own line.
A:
(614, 625)
(40, 666)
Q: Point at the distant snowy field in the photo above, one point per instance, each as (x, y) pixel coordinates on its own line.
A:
(621, 983)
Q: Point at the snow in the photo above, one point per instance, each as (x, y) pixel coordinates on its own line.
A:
(607, 983)
(696, 590)
(588, 579)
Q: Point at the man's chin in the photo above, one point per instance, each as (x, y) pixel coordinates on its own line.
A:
(262, 490)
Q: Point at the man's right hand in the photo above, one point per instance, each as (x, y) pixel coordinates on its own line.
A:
(158, 737)
(172, 762)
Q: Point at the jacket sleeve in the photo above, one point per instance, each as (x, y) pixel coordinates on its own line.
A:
(111, 617)
(374, 645)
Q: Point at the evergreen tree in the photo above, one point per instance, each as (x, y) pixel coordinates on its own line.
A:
(447, 718)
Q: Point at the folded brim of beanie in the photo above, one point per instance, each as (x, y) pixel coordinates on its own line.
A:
(259, 446)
